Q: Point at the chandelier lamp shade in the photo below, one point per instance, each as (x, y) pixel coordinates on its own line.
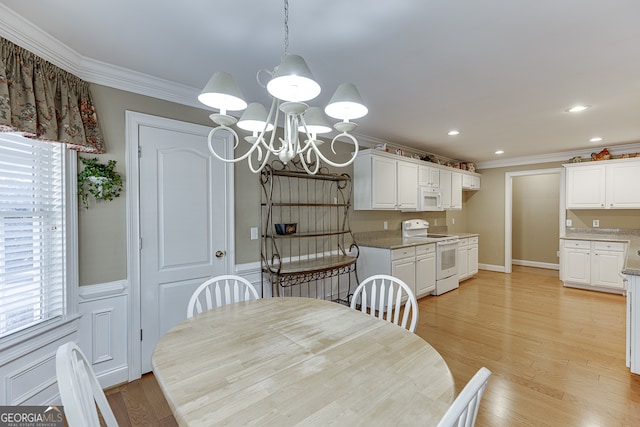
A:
(290, 86)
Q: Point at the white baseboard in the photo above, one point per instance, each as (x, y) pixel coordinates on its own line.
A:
(536, 264)
(490, 267)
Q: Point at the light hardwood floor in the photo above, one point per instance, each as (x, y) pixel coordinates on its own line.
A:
(557, 354)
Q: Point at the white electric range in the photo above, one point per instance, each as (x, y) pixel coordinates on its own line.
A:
(417, 230)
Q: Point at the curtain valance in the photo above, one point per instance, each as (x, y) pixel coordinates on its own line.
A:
(42, 101)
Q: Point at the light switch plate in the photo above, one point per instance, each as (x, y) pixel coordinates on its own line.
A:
(569, 223)
(254, 233)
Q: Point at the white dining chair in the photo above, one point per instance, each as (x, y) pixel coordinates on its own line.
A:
(219, 291)
(80, 390)
(464, 409)
(385, 296)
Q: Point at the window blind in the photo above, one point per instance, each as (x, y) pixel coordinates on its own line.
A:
(32, 233)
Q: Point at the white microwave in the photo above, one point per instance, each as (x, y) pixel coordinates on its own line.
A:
(429, 199)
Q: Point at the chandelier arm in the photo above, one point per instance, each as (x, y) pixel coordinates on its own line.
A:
(304, 163)
(235, 136)
(334, 164)
(264, 162)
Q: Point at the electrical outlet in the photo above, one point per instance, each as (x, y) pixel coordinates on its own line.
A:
(385, 225)
(254, 233)
(569, 223)
(596, 223)
(435, 221)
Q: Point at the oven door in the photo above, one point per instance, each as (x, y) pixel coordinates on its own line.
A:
(447, 259)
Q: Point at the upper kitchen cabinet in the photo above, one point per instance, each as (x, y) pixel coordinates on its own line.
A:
(470, 182)
(428, 176)
(451, 189)
(382, 181)
(609, 184)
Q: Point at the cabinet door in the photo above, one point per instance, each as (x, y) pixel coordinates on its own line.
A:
(384, 181)
(428, 177)
(473, 260)
(585, 187)
(407, 185)
(405, 270)
(445, 188)
(463, 261)
(576, 265)
(456, 190)
(606, 268)
(425, 275)
(622, 189)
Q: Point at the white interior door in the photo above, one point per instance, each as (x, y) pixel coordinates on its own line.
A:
(184, 229)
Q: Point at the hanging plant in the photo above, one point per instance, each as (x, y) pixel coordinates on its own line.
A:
(98, 179)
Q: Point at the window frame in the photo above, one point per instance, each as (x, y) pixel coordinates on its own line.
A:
(70, 306)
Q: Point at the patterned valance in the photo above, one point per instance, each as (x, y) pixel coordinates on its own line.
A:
(40, 100)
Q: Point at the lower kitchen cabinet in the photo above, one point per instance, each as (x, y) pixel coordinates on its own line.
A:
(414, 265)
(467, 257)
(593, 265)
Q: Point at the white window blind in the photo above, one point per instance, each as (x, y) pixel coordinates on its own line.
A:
(32, 233)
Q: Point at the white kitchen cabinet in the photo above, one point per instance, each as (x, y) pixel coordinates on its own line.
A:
(576, 262)
(428, 177)
(383, 182)
(607, 263)
(623, 185)
(467, 257)
(463, 259)
(414, 265)
(403, 266)
(407, 187)
(451, 189)
(425, 269)
(608, 184)
(633, 324)
(473, 256)
(593, 265)
(470, 182)
(456, 190)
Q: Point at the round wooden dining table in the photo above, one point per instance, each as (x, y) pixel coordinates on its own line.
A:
(299, 361)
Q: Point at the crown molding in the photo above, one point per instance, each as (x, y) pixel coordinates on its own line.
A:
(18, 30)
(562, 156)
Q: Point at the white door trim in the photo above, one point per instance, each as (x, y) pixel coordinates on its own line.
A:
(508, 208)
(133, 121)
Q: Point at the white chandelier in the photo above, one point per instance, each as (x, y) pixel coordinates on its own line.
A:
(290, 85)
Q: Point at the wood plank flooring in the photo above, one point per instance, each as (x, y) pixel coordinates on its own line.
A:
(557, 354)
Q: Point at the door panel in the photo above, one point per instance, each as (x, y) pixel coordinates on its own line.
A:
(183, 196)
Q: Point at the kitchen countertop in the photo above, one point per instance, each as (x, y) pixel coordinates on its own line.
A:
(632, 237)
(392, 239)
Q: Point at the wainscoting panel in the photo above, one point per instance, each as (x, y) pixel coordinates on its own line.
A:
(28, 369)
(103, 331)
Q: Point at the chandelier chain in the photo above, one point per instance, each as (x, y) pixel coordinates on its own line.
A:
(286, 27)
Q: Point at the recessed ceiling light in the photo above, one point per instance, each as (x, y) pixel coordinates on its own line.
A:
(595, 139)
(453, 132)
(500, 152)
(578, 108)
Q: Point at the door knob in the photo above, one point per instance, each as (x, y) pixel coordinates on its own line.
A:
(220, 254)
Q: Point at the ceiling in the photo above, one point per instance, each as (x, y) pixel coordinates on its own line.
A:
(501, 72)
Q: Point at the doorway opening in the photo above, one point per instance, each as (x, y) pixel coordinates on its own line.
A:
(509, 208)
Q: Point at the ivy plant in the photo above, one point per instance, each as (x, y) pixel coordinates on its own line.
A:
(99, 180)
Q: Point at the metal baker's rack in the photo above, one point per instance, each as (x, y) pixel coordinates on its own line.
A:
(317, 257)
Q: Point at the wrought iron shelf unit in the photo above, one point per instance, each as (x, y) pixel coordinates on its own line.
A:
(319, 259)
